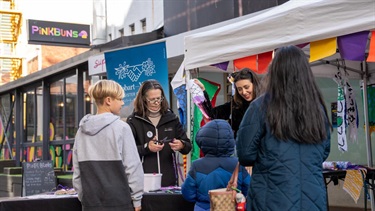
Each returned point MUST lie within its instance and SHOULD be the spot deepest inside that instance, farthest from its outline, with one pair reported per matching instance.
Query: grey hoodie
(108, 173)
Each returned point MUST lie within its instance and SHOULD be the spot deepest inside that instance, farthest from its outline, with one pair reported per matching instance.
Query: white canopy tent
(295, 22)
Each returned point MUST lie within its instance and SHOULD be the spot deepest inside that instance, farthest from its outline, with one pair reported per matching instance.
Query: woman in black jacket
(158, 132)
(247, 88)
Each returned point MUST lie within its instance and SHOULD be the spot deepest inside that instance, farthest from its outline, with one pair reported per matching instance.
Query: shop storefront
(40, 112)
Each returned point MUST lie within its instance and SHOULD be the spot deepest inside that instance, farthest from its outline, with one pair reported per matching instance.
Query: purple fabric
(302, 45)
(223, 65)
(353, 46)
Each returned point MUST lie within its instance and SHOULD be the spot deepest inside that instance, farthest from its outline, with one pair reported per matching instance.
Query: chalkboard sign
(37, 177)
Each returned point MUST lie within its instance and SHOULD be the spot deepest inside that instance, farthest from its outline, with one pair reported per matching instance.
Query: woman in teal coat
(285, 136)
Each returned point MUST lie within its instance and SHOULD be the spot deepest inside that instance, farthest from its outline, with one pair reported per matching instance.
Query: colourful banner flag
(370, 105)
(353, 46)
(264, 60)
(302, 45)
(371, 50)
(249, 62)
(212, 90)
(131, 66)
(322, 48)
(223, 65)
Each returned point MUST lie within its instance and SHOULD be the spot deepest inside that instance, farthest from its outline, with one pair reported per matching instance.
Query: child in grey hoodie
(108, 173)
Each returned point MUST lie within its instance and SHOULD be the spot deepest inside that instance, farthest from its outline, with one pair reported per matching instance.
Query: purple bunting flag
(223, 65)
(353, 46)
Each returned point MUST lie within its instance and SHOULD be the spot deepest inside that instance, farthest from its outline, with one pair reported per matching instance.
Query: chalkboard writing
(37, 177)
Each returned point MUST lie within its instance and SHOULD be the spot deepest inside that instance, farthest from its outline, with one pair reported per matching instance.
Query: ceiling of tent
(292, 23)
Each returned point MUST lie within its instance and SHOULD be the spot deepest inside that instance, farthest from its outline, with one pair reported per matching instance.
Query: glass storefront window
(33, 123)
(70, 107)
(88, 102)
(63, 120)
(6, 128)
(56, 109)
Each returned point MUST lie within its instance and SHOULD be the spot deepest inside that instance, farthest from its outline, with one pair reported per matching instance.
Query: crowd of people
(278, 125)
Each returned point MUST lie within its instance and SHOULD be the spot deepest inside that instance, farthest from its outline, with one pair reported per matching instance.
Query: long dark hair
(295, 106)
(245, 74)
(140, 102)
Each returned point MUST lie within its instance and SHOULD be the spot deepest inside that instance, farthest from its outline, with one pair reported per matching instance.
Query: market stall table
(150, 202)
(336, 175)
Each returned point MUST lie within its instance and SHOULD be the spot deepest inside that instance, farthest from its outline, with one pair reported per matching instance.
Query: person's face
(154, 99)
(116, 105)
(245, 89)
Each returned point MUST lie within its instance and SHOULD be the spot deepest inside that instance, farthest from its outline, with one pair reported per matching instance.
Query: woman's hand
(137, 208)
(155, 146)
(199, 84)
(176, 145)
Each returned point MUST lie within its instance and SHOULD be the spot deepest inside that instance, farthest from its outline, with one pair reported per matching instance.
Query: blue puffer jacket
(215, 169)
(286, 175)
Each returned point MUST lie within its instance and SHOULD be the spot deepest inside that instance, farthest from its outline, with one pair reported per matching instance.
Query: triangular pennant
(371, 51)
(249, 62)
(353, 46)
(302, 45)
(223, 65)
(264, 60)
(322, 48)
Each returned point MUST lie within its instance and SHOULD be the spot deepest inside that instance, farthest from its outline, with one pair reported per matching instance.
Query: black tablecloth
(150, 202)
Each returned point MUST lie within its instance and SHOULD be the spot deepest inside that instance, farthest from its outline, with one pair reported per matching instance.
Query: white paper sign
(97, 65)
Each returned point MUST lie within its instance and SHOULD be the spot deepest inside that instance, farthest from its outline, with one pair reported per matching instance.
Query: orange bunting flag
(249, 62)
(264, 60)
(322, 48)
(371, 51)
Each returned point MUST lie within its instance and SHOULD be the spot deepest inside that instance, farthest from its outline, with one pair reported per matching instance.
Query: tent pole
(365, 109)
(367, 127)
(188, 116)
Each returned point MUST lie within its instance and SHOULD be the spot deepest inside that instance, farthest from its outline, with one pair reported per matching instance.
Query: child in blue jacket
(215, 169)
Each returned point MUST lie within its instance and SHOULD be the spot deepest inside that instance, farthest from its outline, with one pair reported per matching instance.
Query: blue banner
(131, 66)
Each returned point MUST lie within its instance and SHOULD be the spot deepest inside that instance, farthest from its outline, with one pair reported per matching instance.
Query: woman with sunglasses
(247, 86)
(158, 132)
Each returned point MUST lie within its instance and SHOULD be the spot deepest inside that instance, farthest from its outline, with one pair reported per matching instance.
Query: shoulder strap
(232, 184)
(233, 180)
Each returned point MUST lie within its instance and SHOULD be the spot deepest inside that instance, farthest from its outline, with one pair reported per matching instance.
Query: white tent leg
(367, 127)
(188, 117)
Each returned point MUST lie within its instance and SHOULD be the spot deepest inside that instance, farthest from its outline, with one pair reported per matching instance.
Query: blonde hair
(105, 88)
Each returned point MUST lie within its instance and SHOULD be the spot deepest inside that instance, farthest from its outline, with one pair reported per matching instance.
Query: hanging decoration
(222, 65)
(264, 60)
(353, 46)
(212, 90)
(341, 107)
(371, 51)
(249, 62)
(322, 48)
(371, 105)
(351, 109)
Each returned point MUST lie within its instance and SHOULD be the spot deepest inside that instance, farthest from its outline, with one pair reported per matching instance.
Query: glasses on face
(155, 100)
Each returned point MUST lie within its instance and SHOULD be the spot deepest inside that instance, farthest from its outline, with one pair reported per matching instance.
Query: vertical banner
(131, 66)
